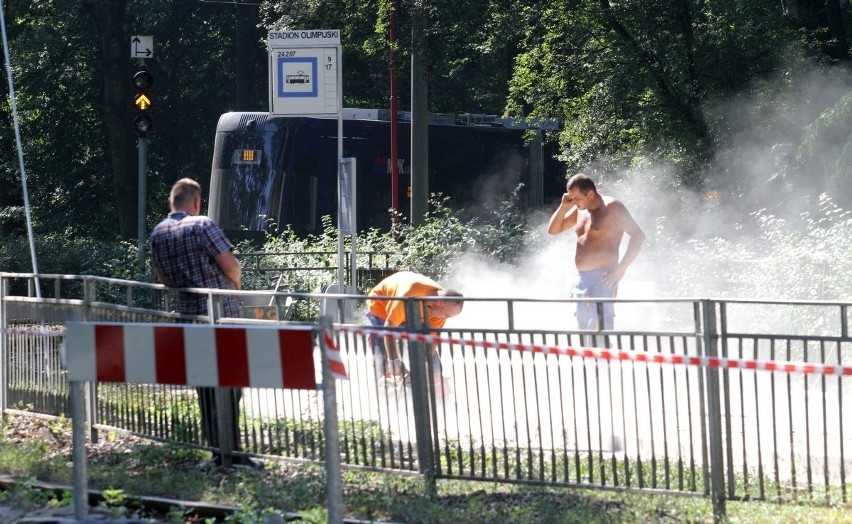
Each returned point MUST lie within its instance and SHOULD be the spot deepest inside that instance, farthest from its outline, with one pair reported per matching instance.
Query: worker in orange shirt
(391, 313)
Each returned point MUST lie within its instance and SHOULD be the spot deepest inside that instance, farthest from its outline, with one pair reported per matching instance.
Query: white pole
(340, 247)
(20, 151)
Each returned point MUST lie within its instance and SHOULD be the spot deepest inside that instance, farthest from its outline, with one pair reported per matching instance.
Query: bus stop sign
(304, 72)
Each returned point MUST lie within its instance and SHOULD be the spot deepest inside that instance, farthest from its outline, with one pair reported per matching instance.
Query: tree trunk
(246, 54)
(834, 16)
(115, 59)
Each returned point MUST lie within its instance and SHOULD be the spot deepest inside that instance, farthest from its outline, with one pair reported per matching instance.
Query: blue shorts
(589, 284)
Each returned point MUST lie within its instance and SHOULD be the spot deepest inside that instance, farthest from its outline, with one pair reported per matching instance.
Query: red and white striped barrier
(616, 354)
(192, 354)
(335, 361)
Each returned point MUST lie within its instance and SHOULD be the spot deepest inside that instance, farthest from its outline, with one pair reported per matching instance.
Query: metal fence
(512, 406)
(309, 271)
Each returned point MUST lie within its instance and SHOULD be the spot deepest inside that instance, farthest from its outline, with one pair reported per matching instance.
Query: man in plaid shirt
(190, 250)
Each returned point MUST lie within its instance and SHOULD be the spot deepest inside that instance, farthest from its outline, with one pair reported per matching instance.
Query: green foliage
(469, 55)
(65, 254)
(249, 514)
(364, 42)
(804, 259)
(63, 98)
(315, 256)
(689, 85)
(147, 406)
(314, 515)
(635, 83)
(827, 146)
(23, 494)
(279, 493)
(429, 248)
(114, 497)
(432, 247)
(67, 177)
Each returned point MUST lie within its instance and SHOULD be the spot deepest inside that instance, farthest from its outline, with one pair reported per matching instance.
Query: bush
(806, 260)
(59, 254)
(429, 248)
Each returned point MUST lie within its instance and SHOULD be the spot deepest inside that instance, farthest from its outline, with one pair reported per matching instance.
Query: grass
(153, 469)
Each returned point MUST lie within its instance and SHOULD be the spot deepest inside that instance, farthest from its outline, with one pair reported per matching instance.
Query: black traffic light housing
(142, 102)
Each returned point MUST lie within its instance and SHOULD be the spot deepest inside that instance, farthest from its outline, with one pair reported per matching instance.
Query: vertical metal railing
(422, 391)
(89, 391)
(714, 411)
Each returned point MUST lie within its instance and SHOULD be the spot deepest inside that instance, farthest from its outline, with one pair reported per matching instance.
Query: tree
(109, 20)
(53, 59)
(634, 81)
(470, 48)
(72, 71)
(826, 148)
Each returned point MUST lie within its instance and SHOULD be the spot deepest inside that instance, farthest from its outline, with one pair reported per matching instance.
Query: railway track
(135, 509)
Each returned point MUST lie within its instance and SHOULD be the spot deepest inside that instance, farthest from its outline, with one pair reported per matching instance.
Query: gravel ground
(17, 508)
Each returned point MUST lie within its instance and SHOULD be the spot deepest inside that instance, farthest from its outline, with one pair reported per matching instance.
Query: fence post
(417, 321)
(714, 412)
(334, 484)
(79, 423)
(227, 407)
(89, 392)
(4, 347)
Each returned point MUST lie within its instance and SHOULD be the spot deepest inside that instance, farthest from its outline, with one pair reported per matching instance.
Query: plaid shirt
(183, 247)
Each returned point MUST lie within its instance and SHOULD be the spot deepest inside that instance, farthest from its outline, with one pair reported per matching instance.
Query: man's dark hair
(581, 182)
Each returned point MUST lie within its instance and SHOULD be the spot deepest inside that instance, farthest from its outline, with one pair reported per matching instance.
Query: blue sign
(297, 76)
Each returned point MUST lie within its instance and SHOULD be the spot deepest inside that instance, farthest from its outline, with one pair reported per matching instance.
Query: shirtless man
(600, 223)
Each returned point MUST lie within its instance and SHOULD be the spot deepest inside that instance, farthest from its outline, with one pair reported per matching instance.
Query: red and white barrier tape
(45, 332)
(339, 371)
(335, 362)
(617, 354)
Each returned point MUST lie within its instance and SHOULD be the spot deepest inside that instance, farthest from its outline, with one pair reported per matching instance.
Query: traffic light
(143, 125)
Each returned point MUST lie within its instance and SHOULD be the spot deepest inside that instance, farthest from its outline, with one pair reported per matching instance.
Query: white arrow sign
(141, 46)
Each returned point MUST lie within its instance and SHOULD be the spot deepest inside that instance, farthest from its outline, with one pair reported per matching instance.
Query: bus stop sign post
(346, 220)
(305, 79)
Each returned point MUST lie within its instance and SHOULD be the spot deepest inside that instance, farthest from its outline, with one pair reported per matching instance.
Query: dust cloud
(766, 222)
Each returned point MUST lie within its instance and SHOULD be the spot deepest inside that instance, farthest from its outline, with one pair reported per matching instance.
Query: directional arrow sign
(142, 102)
(141, 46)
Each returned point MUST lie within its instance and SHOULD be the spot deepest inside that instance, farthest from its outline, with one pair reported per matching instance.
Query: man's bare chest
(599, 224)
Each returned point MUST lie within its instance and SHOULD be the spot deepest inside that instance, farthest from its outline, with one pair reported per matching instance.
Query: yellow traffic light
(142, 102)
(143, 124)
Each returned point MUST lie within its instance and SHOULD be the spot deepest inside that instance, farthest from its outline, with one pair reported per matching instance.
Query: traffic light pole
(141, 47)
(140, 223)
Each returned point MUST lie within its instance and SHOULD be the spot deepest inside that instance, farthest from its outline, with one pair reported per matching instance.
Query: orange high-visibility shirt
(402, 284)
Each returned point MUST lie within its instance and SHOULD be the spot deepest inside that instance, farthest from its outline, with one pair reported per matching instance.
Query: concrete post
(334, 483)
